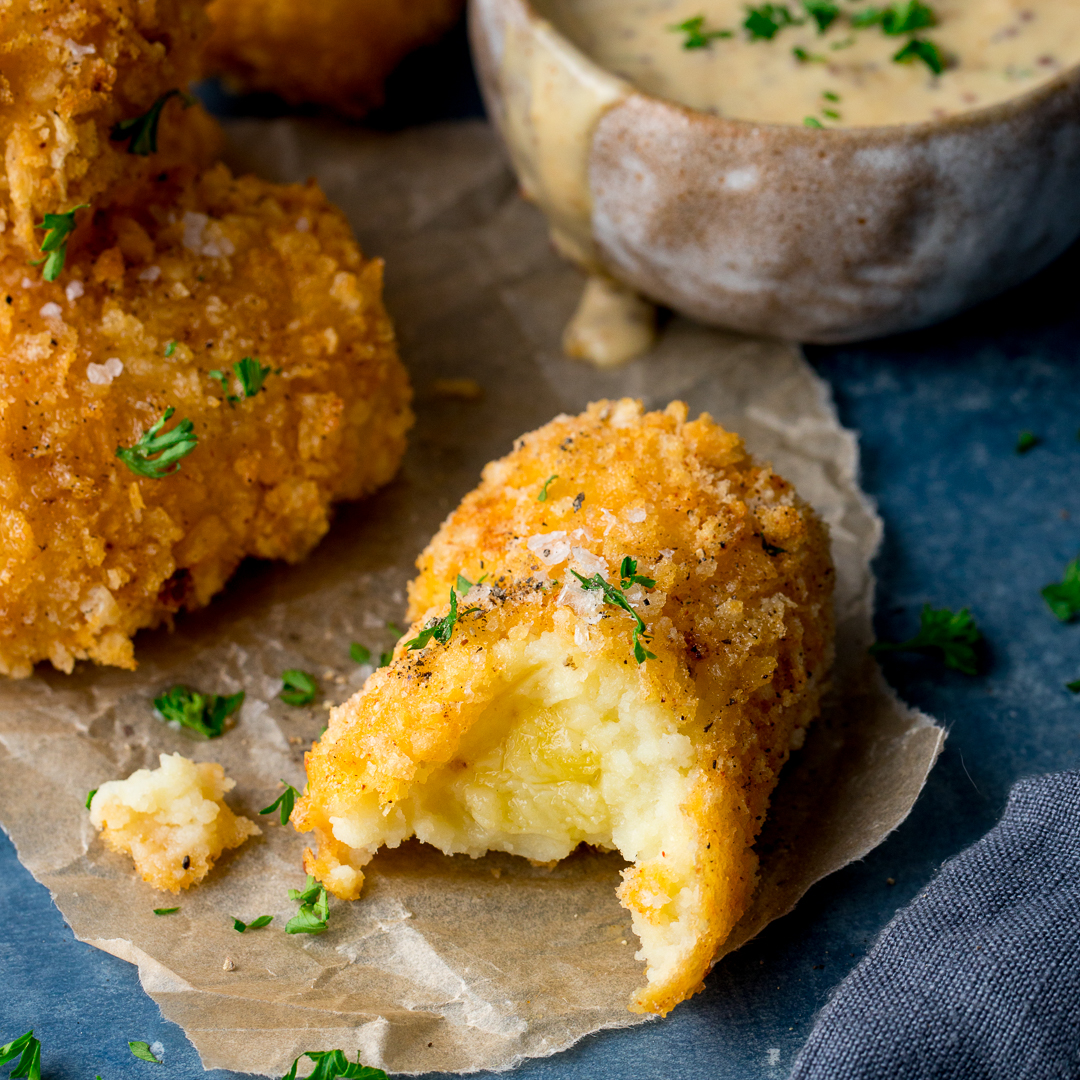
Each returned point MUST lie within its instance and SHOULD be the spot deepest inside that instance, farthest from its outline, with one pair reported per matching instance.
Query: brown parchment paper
(445, 963)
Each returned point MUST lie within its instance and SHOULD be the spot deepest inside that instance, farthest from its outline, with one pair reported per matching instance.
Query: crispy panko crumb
(172, 820)
(535, 729)
(208, 270)
(336, 52)
(70, 70)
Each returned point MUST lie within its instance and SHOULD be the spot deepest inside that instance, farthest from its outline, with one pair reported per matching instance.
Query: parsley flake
(1025, 441)
(386, 657)
(142, 1051)
(441, 629)
(617, 598)
(203, 714)
(314, 909)
(359, 654)
(1063, 597)
(28, 1050)
(166, 910)
(823, 12)
(764, 21)
(463, 584)
(542, 497)
(1074, 686)
(300, 688)
(926, 51)
(251, 375)
(628, 575)
(334, 1065)
(170, 348)
(812, 122)
(90, 797)
(140, 132)
(59, 228)
(256, 924)
(696, 36)
(170, 448)
(906, 18)
(284, 802)
(953, 635)
(805, 57)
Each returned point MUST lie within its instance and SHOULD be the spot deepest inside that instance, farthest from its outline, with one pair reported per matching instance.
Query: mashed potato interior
(567, 753)
(172, 821)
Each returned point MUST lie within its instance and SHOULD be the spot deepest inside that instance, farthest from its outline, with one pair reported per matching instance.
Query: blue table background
(968, 522)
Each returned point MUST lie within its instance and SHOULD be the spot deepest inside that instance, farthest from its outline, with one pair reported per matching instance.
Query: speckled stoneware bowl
(789, 231)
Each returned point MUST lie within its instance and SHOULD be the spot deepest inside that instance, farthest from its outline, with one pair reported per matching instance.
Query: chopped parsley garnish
(90, 797)
(359, 654)
(764, 21)
(386, 657)
(464, 584)
(830, 95)
(142, 1051)
(170, 448)
(542, 497)
(442, 629)
(54, 247)
(142, 130)
(251, 375)
(804, 57)
(300, 688)
(314, 909)
(952, 635)
(1063, 597)
(1074, 686)
(926, 51)
(170, 348)
(823, 12)
(1025, 441)
(204, 714)
(616, 598)
(832, 114)
(256, 924)
(334, 1065)
(166, 910)
(906, 18)
(28, 1050)
(696, 36)
(771, 549)
(628, 575)
(284, 803)
(812, 121)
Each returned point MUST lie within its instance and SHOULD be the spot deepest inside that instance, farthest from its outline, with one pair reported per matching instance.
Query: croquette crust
(336, 53)
(90, 552)
(70, 70)
(741, 628)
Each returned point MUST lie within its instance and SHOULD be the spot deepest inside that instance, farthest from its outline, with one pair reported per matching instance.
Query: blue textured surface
(968, 522)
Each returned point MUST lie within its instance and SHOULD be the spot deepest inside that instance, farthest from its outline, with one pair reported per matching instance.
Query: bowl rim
(982, 116)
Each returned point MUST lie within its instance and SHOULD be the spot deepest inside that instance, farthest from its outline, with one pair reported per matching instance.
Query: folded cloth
(979, 977)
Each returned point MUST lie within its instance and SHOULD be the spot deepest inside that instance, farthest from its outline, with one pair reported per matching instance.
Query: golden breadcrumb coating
(535, 728)
(223, 268)
(336, 53)
(172, 820)
(70, 70)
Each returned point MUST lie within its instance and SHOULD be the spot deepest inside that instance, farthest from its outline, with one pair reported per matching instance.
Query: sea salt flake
(151, 273)
(550, 548)
(51, 310)
(73, 291)
(103, 374)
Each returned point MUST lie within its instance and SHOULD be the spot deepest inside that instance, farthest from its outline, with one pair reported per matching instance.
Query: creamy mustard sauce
(844, 77)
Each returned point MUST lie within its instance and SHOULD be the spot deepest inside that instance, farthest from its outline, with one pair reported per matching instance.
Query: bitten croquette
(153, 311)
(641, 632)
(70, 71)
(336, 52)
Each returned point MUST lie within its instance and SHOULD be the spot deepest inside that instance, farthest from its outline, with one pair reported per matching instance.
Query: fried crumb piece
(172, 820)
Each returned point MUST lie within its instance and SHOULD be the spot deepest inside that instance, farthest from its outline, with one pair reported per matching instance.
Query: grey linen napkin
(979, 977)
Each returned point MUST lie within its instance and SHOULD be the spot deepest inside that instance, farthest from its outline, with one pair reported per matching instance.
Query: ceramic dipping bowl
(814, 235)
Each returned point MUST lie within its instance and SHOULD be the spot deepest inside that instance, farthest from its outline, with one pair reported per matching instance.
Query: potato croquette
(336, 53)
(70, 71)
(644, 634)
(248, 309)
(172, 820)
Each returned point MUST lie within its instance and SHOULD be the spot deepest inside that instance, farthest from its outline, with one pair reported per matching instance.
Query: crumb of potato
(193, 276)
(172, 820)
(336, 52)
(534, 728)
(70, 70)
